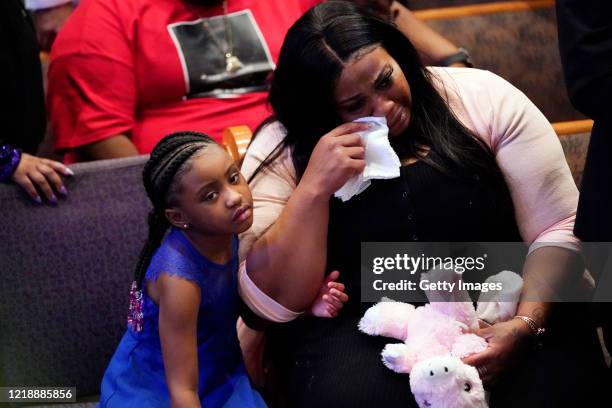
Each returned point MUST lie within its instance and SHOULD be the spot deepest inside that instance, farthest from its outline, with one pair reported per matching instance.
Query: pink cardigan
(525, 145)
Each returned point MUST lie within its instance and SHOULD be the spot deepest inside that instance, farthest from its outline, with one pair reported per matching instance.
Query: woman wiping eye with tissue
(381, 162)
(478, 163)
(374, 86)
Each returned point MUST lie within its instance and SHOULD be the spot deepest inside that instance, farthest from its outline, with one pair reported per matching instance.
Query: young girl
(181, 348)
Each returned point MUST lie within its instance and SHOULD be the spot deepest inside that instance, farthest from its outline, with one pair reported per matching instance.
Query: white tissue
(381, 162)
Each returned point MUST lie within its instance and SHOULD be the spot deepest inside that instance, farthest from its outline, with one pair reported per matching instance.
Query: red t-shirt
(146, 68)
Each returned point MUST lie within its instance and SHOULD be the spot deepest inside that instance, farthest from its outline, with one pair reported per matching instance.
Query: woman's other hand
(338, 156)
(36, 174)
(331, 297)
(507, 341)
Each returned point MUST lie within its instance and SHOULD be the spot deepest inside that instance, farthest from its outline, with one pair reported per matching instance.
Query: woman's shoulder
(475, 89)
(267, 138)
(265, 143)
(468, 79)
(484, 102)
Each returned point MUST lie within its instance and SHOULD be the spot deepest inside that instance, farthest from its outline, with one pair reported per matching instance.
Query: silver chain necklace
(232, 62)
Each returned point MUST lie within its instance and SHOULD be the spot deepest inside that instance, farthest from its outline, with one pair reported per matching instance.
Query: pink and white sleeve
(531, 158)
(271, 189)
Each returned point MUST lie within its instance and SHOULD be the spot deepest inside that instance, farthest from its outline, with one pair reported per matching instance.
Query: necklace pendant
(232, 63)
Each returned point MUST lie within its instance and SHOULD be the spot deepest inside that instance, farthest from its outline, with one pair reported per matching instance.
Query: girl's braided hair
(169, 161)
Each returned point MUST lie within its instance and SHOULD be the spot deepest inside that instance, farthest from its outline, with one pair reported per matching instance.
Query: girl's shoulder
(176, 256)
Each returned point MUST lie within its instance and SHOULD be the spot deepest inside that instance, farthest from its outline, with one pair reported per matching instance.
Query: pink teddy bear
(435, 337)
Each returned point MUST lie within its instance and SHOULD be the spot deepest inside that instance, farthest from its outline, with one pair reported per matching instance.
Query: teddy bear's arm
(399, 357)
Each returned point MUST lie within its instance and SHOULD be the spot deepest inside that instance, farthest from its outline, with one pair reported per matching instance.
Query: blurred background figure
(585, 42)
(49, 16)
(23, 116)
(123, 74)
(433, 48)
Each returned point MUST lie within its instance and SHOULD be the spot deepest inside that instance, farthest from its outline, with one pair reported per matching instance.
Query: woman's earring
(185, 226)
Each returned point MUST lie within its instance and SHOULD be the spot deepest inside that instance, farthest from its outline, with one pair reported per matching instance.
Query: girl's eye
(211, 196)
(235, 178)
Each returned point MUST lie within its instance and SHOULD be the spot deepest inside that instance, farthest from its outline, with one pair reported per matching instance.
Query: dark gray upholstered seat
(71, 405)
(520, 46)
(65, 273)
(575, 147)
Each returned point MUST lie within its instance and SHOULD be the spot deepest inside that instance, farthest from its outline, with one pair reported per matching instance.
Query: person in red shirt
(125, 73)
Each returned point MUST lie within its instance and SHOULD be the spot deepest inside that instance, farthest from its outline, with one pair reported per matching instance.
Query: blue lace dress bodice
(135, 376)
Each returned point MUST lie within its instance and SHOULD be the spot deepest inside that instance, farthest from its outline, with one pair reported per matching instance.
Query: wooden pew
(236, 139)
(574, 137)
(433, 4)
(516, 40)
(444, 9)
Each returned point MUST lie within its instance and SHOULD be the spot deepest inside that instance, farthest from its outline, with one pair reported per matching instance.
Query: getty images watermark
(412, 272)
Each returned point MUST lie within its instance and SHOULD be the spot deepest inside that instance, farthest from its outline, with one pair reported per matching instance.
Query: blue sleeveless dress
(135, 376)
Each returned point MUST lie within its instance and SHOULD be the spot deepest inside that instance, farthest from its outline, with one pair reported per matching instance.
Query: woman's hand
(331, 297)
(338, 156)
(507, 341)
(35, 173)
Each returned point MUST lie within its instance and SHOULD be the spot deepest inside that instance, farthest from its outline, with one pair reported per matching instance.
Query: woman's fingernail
(38, 199)
(62, 190)
(68, 172)
(53, 199)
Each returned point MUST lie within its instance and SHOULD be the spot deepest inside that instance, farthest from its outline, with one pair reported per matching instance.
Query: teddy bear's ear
(500, 305)
(450, 277)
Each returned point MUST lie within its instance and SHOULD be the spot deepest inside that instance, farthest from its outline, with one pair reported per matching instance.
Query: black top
(22, 117)
(585, 42)
(328, 362)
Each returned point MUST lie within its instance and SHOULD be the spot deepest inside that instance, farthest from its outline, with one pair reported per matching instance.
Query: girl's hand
(338, 156)
(35, 174)
(507, 341)
(331, 298)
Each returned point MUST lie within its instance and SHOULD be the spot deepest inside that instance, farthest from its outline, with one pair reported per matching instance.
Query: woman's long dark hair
(311, 61)
(169, 161)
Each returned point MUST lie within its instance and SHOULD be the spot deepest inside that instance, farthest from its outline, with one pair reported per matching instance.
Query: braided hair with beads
(162, 173)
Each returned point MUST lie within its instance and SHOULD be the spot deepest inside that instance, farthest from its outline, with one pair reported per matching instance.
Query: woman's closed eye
(354, 106)
(385, 80)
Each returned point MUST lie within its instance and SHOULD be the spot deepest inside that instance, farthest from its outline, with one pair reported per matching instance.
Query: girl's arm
(178, 315)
